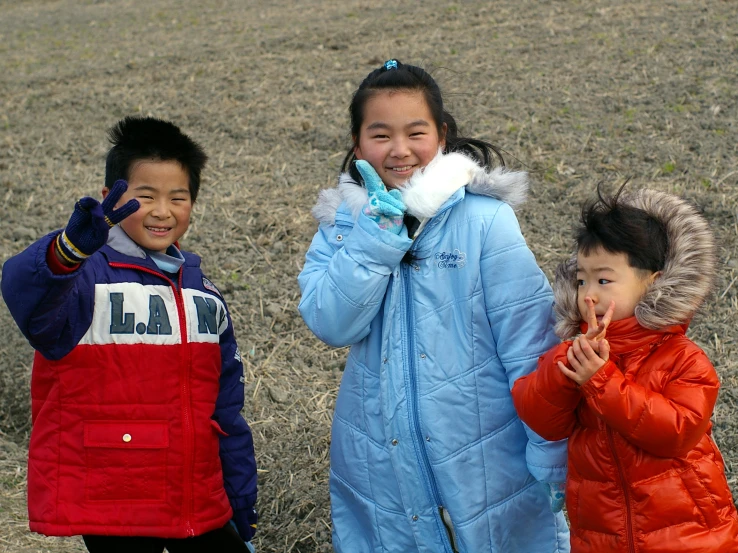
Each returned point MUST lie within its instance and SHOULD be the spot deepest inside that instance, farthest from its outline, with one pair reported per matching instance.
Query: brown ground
(575, 91)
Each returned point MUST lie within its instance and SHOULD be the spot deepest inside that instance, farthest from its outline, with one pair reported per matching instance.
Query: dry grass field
(575, 91)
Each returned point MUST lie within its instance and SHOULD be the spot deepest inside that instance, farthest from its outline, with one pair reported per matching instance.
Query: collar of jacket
(688, 276)
(427, 192)
(120, 249)
(628, 335)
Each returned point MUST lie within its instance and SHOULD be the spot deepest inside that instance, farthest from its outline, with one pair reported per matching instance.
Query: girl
(434, 288)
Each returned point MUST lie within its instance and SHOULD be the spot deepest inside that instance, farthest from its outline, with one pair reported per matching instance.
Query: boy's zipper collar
(120, 249)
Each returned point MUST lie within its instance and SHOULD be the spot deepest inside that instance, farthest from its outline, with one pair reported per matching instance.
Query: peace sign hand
(385, 208)
(590, 351)
(88, 227)
(596, 330)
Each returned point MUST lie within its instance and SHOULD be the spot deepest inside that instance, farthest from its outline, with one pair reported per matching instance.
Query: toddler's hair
(147, 138)
(610, 223)
(395, 75)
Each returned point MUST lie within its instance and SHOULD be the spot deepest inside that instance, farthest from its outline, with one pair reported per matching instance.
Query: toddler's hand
(596, 330)
(385, 208)
(88, 227)
(584, 360)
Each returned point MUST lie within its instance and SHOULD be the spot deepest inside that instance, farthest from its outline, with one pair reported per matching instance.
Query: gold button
(126, 438)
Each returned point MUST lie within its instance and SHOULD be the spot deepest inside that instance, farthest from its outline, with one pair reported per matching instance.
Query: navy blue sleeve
(237, 448)
(52, 311)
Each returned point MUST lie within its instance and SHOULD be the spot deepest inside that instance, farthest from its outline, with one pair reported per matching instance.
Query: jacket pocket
(215, 478)
(707, 485)
(216, 427)
(126, 460)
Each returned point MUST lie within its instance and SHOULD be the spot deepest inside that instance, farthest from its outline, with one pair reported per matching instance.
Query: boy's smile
(604, 276)
(162, 189)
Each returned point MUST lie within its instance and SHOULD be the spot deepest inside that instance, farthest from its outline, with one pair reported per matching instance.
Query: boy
(633, 394)
(137, 385)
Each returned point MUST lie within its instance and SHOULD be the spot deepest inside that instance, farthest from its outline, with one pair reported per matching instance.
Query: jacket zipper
(416, 432)
(624, 483)
(189, 499)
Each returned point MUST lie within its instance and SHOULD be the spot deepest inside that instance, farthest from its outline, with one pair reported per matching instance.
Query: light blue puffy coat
(424, 424)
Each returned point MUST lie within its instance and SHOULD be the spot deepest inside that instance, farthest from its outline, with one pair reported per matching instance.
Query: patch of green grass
(668, 168)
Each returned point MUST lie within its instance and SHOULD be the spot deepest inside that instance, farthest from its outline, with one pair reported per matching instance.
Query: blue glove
(556, 493)
(385, 208)
(249, 545)
(87, 229)
(245, 522)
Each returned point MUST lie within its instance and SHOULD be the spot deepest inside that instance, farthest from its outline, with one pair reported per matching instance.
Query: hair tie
(390, 64)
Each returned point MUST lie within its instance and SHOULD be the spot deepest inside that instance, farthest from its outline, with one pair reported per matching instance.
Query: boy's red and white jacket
(137, 388)
(645, 474)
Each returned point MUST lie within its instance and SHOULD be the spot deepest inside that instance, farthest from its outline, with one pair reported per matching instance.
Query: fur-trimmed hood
(429, 188)
(686, 280)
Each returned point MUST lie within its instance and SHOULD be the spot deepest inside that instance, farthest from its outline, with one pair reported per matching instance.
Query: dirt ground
(575, 91)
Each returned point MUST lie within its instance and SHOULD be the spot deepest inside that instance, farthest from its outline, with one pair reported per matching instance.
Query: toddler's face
(603, 277)
(163, 190)
(398, 135)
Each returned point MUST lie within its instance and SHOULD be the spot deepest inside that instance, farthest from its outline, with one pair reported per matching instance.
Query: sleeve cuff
(595, 386)
(56, 266)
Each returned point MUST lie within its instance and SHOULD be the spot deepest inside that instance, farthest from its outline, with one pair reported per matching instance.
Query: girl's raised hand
(385, 208)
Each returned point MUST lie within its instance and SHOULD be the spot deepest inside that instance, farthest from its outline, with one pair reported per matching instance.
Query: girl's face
(398, 135)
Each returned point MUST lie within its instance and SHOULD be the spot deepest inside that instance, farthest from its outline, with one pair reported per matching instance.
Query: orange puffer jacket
(644, 472)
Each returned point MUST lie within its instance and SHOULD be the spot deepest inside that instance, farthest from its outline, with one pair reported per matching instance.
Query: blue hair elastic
(390, 64)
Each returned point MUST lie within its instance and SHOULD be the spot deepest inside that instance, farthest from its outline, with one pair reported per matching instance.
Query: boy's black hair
(611, 224)
(140, 138)
(395, 75)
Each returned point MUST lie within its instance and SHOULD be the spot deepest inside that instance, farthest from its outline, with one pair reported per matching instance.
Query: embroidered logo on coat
(451, 260)
(210, 286)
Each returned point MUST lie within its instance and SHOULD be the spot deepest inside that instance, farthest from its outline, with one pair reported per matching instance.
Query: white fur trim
(429, 188)
(509, 186)
(355, 196)
(325, 208)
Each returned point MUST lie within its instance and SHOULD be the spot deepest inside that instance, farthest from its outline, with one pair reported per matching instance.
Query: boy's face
(603, 277)
(162, 188)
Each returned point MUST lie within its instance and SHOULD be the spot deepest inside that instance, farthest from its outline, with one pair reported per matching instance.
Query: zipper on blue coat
(416, 432)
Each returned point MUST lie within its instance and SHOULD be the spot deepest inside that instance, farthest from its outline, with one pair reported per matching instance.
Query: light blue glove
(385, 208)
(556, 492)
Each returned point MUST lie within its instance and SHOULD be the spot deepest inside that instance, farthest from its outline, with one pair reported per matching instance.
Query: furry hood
(429, 188)
(686, 280)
